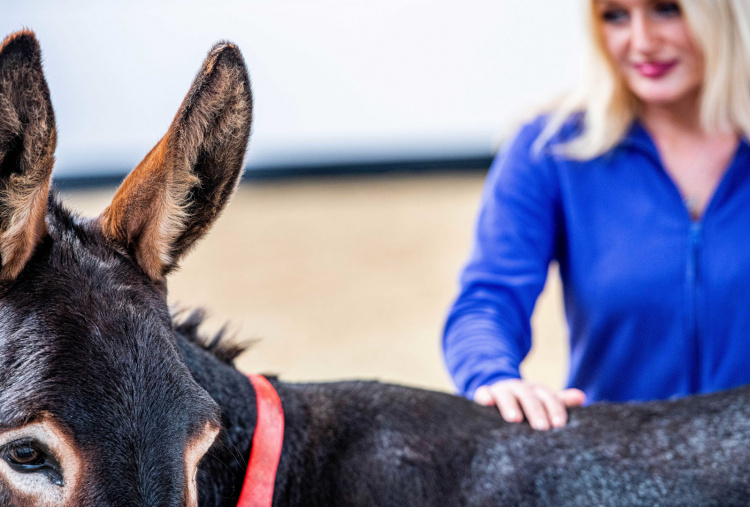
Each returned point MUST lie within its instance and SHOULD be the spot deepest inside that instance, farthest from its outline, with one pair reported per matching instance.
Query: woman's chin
(665, 96)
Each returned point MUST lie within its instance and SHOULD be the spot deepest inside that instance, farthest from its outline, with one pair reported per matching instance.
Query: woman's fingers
(556, 412)
(572, 397)
(507, 403)
(532, 406)
(500, 395)
(542, 407)
(483, 396)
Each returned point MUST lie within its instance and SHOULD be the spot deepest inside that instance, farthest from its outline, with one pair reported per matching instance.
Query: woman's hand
(543, 407)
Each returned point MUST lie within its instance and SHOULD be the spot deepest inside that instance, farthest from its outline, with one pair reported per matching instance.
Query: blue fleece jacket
(658, 304)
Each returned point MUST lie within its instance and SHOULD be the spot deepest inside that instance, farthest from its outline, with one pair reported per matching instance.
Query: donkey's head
(96, 405)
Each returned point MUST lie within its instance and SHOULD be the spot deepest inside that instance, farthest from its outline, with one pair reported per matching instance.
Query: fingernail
(558, 422)
(513, 415)
(541, 425)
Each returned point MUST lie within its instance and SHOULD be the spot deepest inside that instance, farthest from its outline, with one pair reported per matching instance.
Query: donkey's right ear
(174, 195)
(27, 146)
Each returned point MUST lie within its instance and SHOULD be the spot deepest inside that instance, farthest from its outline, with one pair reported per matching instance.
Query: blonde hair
(721, 30)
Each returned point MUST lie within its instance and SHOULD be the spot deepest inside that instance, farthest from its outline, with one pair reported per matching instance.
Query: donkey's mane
(223, 345)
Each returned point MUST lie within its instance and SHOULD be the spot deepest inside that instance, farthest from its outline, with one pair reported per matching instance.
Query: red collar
(257, 490)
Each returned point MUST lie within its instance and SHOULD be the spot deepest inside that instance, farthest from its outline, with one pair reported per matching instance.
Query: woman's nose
(643, 33)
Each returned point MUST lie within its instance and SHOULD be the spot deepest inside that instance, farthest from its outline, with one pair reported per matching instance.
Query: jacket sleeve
(488, 331)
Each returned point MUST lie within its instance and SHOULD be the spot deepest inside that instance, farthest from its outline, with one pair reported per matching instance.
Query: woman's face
(650, 45)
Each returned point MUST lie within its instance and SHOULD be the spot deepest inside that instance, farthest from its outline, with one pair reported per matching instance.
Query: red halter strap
(257, 490)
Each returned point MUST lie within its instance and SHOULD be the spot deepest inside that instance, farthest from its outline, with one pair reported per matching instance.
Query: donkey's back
(373, 444)
(366, 443)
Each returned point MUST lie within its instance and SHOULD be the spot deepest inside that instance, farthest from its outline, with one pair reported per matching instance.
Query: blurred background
(375, 123)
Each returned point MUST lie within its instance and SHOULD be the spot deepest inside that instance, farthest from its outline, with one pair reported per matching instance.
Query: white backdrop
(335, 81)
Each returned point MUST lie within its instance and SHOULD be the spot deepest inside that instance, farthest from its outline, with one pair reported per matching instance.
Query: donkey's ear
(172, 197)
(27, 147)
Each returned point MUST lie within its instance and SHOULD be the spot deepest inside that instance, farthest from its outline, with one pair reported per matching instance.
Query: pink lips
(654, 70)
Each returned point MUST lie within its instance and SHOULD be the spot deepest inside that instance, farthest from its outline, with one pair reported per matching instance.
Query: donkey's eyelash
(28, 456)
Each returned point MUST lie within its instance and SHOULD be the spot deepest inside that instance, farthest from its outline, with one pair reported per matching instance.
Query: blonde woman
(639, 186)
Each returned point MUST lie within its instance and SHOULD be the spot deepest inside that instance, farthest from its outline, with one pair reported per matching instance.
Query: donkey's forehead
(83, 323)
(77, 283)
(75, 261)
(78, 243)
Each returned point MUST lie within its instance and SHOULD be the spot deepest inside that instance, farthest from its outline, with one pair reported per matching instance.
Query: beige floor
(345, 277)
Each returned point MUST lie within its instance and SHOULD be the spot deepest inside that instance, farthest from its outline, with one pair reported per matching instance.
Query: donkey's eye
(25, 455)
(28, 456)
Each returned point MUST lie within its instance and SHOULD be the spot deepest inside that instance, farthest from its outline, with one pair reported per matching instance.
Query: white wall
(334, 80)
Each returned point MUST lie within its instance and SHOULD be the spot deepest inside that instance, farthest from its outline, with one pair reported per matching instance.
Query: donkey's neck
(222, 470)
(320, 421)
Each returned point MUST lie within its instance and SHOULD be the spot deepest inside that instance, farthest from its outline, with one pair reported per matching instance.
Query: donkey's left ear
(173, 196)
(27, 148)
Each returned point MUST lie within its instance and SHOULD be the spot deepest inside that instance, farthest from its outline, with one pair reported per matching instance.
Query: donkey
(106, 399)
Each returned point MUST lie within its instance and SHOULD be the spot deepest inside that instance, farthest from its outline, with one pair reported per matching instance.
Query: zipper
(693, 287)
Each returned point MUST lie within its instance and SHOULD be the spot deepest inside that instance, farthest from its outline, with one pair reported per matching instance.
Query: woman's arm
(519, 231)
